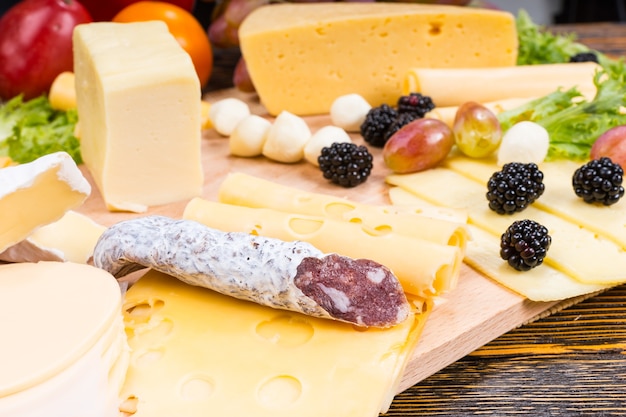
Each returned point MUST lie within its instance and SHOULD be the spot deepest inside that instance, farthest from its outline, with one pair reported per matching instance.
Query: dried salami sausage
(293, 276)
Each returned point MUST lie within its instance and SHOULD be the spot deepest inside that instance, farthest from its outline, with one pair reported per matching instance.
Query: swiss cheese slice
(63, 350)
(38, 193)
(423, 267)
(196, 353)
(138, 99)
(302, 56)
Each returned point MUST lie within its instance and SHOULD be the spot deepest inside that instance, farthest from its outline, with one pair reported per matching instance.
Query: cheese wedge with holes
(303, 56)
(64, 351)
(243, 359)
(38, 193)
(138, 99)
(424, 267)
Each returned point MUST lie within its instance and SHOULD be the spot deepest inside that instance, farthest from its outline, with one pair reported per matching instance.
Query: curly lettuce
(31, 129)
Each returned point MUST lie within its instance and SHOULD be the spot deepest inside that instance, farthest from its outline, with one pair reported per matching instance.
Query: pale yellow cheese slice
(139, 103)
(577, 251)
(302, 56)
(197, 353)
(64, 349)
(559, 197)
(38, 193)
(539, 284)
(423, 267)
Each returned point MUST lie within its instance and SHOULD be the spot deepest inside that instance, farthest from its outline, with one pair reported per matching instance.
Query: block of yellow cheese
(38, 193)
(302, 56)
(64, 351)
(197, 353)
(138, 100)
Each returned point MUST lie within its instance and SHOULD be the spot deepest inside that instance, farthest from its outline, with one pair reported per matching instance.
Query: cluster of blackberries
(383, 121)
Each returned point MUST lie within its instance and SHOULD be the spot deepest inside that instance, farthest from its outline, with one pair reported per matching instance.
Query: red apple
(104, 10)
(417, 146)
(612, 144)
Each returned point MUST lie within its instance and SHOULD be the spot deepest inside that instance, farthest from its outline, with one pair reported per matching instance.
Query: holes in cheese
(230, 357)
(455, 86)
(423, 267)
(301, 57)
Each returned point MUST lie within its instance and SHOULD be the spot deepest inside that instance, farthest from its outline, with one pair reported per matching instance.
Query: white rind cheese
(38, 193)
(138, 99)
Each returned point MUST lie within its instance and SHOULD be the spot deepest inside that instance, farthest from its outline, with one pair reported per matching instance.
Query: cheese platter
(476, 312)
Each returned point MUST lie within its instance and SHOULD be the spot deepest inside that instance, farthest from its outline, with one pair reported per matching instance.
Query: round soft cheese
(63, 349)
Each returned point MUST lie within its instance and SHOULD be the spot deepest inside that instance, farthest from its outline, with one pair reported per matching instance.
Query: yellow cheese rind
(423, 267)
(301, 57)
(196, 353)
(455, 86)
(139, 102)
(38, 193)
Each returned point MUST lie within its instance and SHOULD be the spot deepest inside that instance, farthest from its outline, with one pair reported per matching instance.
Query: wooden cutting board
(476, 312)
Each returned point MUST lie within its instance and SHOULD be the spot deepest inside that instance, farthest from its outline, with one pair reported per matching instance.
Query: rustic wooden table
(571, 363)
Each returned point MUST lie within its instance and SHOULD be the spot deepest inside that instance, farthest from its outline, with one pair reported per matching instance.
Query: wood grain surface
(570, 363)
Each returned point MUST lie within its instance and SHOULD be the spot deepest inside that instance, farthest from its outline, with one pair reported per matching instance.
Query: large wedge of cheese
(138, 99)
(64, 351)
(38, 193)
(302, 56)
(198, 353)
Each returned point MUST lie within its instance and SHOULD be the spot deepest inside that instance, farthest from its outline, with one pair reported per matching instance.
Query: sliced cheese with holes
(423, 267)
(71, 238)
(437, 223)
(575, 250)
(539, 284)
(196, 353)
(64, 350)
(38, 193)
(139, 102)
(301, 57)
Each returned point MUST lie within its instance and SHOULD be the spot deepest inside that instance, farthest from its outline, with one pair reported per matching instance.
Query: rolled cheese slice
(423, 267)
(64, 350)
(301, 57)
(38, 193)
(455, 86)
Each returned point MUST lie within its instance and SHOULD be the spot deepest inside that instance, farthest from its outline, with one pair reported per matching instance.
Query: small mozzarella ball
(324, 137)
(225, 114)
(286, 138)
(524, 142)
(348, 112)
(249, 136)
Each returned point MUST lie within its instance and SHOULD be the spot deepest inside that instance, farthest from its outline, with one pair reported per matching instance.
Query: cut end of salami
(358, 291)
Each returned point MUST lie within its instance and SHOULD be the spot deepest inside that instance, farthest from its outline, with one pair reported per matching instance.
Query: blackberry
(376, 123)
(524, 244)
(402, 120)
(416, 104)
(599, 181)
(514, 187)
(345, 163)
(584, 57)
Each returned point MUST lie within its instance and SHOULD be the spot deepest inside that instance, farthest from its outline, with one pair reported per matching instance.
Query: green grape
(477, 131)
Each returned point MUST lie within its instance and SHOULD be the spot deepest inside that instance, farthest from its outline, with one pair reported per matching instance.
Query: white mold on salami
(293, 276)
